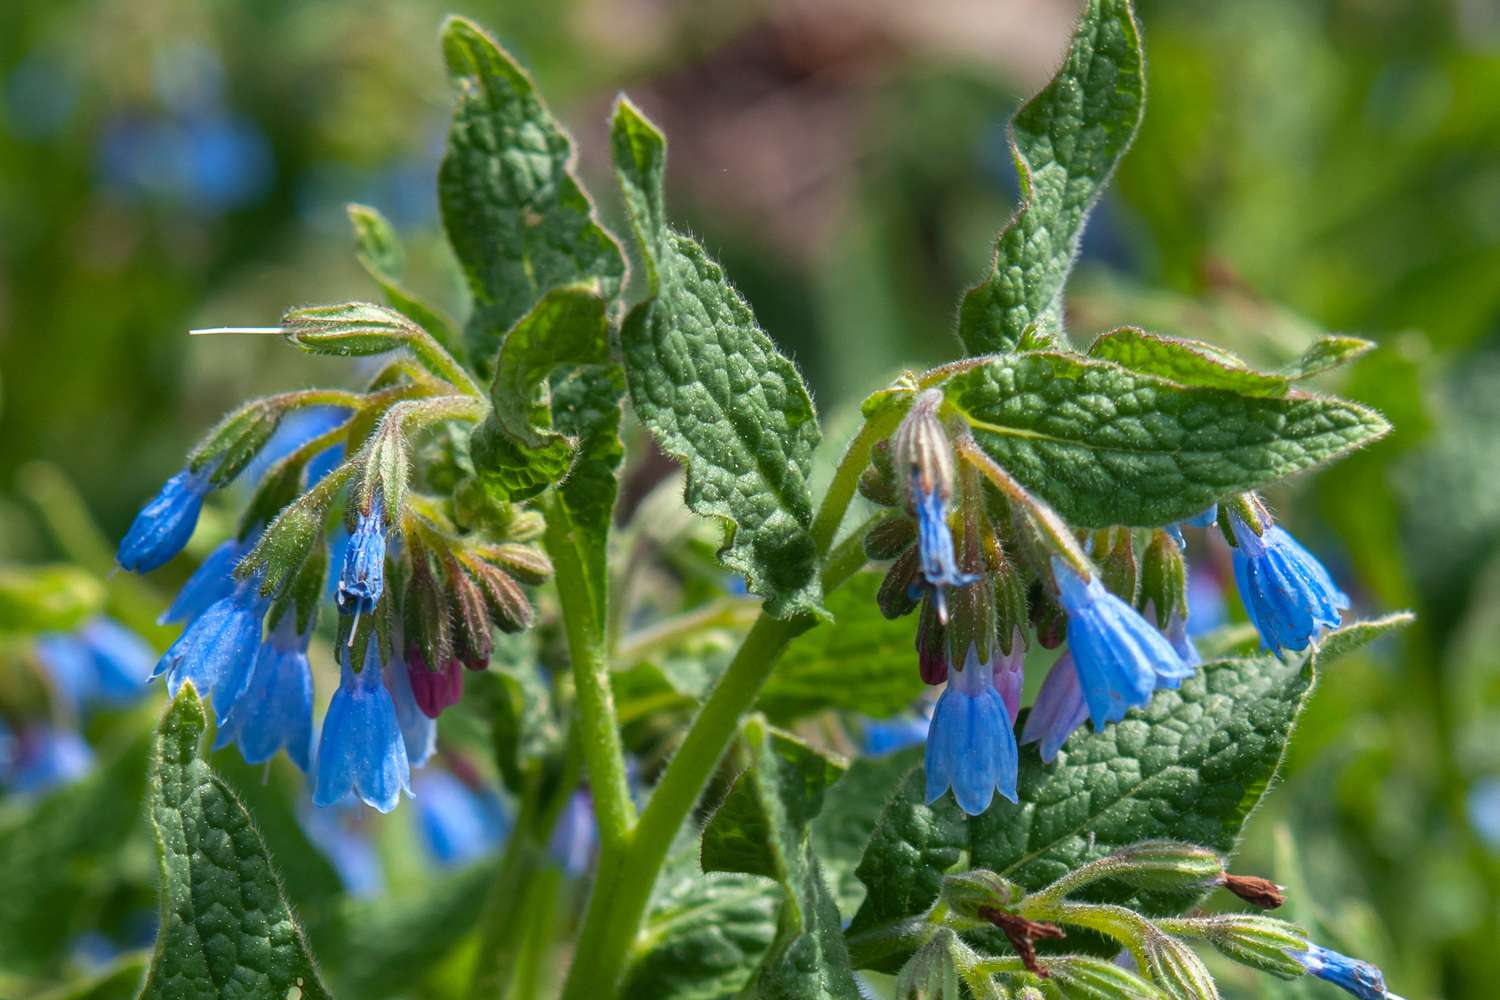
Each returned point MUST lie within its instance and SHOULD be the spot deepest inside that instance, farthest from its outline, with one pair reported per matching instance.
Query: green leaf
(716, 393)
(704, 934)
(47, 598)
(1190, 766)
(515, 450)
(586, 406)
(226, 929)
(380, 253)
(519, 222)
(518, 705)
(1065, 141)
(863, 664)
(62, 856)
(1359, 634)
(851, 811)
(120, 980)
(1325, 354)
(1188, 362)
(1104, 445)
(762, 828)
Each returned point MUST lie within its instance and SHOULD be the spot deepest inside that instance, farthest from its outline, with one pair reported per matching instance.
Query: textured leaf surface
(226, 929)
(716, 393)
(1190, 766)
(704, 934)
(381, 254)
(863, 663)
(1105, 445)
(516, 452)
(851, 810)
(517, 218)
(1190, 362)
(586, 406)
(1066, 141)
(762, 828)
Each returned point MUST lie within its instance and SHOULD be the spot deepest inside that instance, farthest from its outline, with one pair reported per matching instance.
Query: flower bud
(920, 451)
(1166, 866)
(932, 645)
(889, 538)
(1049, 619)
(526, 564)
(1255, 940)
(473, 643)
(427, 620)
(1256, 891)
(930, 973)
(1163, 579)
(899, 591)
(1011, 609)
(1175, 968)
(879, 483)
(1080, 977)
(508, 605)
(234, 442)
(353, 329)
(969, 892)
(284, 545)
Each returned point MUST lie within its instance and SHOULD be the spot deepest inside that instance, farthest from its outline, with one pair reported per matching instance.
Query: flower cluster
(987, 566)
(418, 587)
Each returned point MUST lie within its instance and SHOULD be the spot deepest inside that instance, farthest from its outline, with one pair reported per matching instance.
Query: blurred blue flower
(218, 649)
(362, 753)
(576, 836)
(1484, 810)
(102, 662)
(1288, 594)
(165, 524)
(44, 757)
(339, 833)
(457, 823)
(296, 429)
(1207, 609)
(1120, 659)
(276, 710)
(971, 745)
(886, 736)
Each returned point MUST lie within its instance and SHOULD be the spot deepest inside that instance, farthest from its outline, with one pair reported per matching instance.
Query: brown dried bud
(1256, 891)
(1023, 935)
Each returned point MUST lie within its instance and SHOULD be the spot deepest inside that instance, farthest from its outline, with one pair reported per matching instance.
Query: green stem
(497, 924)
(432, 356)
(623, 885)
(598, 731)
(729, 612)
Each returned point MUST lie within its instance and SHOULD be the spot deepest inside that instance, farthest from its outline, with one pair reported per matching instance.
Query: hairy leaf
(1104, 445)
(1190, 766)
(515, 451)
(704, 934)
(517, 218)
(1189, 362)
(1065, 141)
(863, 664)
(1325, 354)
(851, 810)
(380, 253)
(762, 828)
(716, 393)
(226, 929)
(586, 405)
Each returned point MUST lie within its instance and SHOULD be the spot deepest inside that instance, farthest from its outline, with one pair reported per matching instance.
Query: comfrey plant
(1025, 496)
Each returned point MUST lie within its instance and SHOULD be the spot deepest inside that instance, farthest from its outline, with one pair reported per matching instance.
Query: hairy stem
(623, 885)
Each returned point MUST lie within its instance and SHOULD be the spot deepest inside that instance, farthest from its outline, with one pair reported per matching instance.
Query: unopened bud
(930, 973)
(1254, 890)
(890, 537)
(1011, 614)
(353, 329)
(284, 545)
(1048, 617)
(969, 892)
(527, 564)
(236, 440)
(878, 483)
(472, 641)
(509, 607)
(427, 621)
(1080, 977)
(1163, 578)
(1114, 552)
(920, 450)
(1261, 942)
(1166, 866)
(1177, 969)
(899, 591)
(932, 645)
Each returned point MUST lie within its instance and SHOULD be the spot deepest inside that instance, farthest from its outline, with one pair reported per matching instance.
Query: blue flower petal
(165, 524)
(1058, 710)
(362, 577)
(361, 753)
(276, 710)
(1361, 979)
(212, 581)
(218, 649)
(971, 746)
(1287, 593)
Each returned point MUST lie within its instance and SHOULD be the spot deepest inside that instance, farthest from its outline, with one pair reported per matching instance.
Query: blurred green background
(1305, 165)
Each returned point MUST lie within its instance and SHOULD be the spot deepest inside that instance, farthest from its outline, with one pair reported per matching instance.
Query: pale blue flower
(971, 746)
(1288, 594)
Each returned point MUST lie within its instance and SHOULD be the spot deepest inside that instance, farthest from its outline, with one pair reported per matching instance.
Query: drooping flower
(458, 823)
(122, 660)
(1119, 657)
(1058, 710)
(1288, 594)
(924, 456)
(218, 649)
(361, 753)
(276, 710)
(362, 578)
(1359, 978)
(211, 581)
(418, 730)
(971, 746)
(165, 524)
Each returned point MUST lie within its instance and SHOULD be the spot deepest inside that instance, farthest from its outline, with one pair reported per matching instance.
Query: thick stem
(623, 885)
(598, 731)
